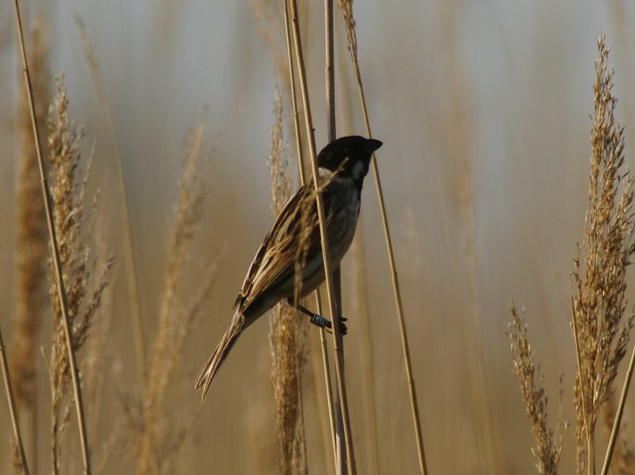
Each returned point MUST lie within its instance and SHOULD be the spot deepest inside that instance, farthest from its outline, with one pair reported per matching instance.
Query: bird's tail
(209, 371)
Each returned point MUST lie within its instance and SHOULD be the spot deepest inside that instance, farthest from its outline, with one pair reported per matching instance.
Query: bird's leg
(318, 320)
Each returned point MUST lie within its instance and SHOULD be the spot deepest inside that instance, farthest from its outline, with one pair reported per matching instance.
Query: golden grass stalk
(31, 251)
(346, 7)
(622, 461)
(294, 102)
(291, 91)
(268, 14)
(337, 337)
(20, 462)
(301, 168)
(74, 230)
(330, 71)
(360, 302)
(61, 290)
(601, 328)
(332, 135)
(156, 442)
(279, 165)
(131, 271)
(549, 442)
(287, 339)
(625, 455)
(99, 360)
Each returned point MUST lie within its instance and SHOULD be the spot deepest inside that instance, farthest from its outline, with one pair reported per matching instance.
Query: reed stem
(337, 338)
(12, 407)
(55, 251)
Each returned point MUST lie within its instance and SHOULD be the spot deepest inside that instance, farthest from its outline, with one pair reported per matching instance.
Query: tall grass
(288, 331)
(31, 302)
(346, 7)
(600, 321)
(157, 436)
(74, 230)
(155, 424)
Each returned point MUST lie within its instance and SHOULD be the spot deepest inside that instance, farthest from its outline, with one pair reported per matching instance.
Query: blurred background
(483, 108)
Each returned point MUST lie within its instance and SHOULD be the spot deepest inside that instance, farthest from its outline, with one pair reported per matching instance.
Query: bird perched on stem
(289, 263)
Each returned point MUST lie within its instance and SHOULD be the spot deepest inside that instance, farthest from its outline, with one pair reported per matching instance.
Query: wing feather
(275, 260)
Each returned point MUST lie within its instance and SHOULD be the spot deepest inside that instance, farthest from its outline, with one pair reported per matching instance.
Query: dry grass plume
(32, 244)
(74, 228)
(548, 440)
(156, 436)
(601, 325)
(288, 333)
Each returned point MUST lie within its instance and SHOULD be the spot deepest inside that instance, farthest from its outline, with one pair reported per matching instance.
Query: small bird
(294, 238)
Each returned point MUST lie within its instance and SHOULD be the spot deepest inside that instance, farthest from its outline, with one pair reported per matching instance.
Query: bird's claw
(342, 325)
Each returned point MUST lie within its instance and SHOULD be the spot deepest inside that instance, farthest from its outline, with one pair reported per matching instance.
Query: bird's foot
(342, 325)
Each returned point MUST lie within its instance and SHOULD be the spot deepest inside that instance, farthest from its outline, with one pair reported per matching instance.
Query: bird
(293, 244)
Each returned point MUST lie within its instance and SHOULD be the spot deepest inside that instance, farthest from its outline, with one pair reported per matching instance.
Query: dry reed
(601, 325)
(623, 460)
(18, 456)
(330, 285)
(341, 442)
(287, 336)
(31, 251)
(100, 357)
(549, 441)
(346, 7)
(275, 28)
(279, 164)
(156, 437)
(56, 261)
(601, 328)
(271, 27)
(74, 230)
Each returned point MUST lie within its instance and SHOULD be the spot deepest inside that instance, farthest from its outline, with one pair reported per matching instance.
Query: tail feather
(209, 371)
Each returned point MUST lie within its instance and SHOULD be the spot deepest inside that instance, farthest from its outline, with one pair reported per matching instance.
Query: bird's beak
(372, 145)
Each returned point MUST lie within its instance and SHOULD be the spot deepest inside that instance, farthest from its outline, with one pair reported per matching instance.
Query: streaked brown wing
(275, 260)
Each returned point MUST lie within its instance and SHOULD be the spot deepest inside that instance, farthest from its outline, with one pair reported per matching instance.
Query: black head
(349, 156)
